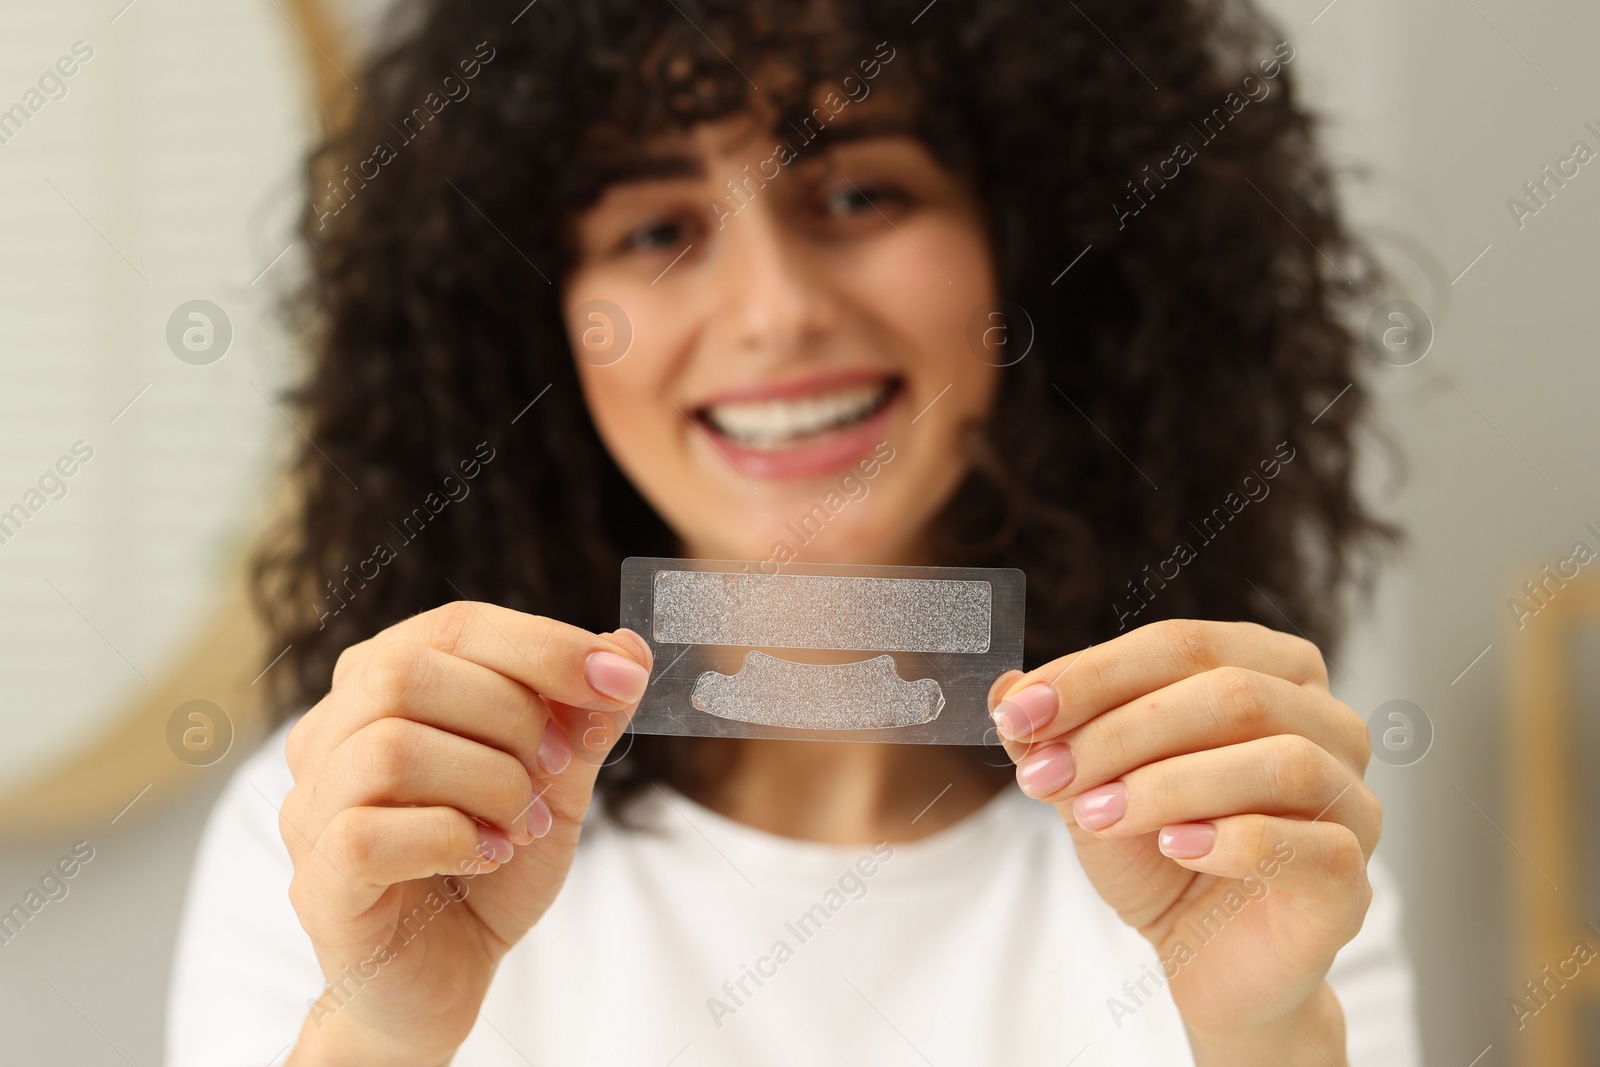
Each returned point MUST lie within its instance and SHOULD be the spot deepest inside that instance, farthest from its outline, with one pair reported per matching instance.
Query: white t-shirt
(704, 941)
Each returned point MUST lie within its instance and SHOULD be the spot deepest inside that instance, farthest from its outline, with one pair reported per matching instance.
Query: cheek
(613, 406)
(624, 394)
(627, 412)
(971, 294)
(925, 287)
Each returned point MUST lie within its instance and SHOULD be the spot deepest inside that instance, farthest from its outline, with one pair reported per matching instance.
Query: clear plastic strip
(823, 652)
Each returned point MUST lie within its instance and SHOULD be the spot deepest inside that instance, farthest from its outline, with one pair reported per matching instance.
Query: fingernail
(1101, 806)
(615, 677)
(1187, 840)
(1046, 771)
(493, 845)
(554, 753)
(539, 818)
(1027, 712)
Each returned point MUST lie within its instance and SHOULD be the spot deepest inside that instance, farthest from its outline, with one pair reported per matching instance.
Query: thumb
(512, 898)
(592, 738)
(1131, 875)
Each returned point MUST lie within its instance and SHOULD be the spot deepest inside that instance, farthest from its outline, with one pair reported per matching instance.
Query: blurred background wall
(165, 170)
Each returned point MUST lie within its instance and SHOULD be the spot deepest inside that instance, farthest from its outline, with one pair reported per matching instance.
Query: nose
(777, 303)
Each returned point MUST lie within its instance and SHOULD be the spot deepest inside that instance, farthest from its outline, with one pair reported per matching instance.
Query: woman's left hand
(1213, 788)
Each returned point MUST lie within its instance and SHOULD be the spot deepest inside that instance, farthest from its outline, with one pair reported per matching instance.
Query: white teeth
(766, 423)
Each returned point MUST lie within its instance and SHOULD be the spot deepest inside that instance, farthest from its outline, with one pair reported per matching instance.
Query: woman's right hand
(439, 790)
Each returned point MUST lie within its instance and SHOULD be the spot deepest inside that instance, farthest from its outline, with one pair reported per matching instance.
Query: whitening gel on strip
(823, 652)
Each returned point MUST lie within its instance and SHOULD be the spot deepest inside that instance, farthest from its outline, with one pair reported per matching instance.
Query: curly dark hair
(1195, 342)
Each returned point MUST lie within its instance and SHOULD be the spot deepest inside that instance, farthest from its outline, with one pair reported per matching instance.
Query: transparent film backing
(822, 652)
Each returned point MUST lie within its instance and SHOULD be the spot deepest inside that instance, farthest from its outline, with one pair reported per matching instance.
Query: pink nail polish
(1187, 840)
(615, 677)
(493, 846)
(1022, 715)
(1046, 771)
(1101, 806)
(539, 818)
(554, 752)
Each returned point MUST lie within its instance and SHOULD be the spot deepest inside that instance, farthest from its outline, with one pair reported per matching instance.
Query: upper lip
(827, 381)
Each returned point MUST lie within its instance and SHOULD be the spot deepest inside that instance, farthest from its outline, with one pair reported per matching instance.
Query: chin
(806, 538)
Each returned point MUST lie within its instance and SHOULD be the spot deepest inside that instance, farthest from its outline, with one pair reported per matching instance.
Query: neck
(841, 793)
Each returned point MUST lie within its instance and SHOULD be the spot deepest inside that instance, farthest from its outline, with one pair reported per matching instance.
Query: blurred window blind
(162, 169)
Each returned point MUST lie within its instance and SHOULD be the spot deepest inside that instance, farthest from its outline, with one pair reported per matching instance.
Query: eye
(658, 236)
(854, 199)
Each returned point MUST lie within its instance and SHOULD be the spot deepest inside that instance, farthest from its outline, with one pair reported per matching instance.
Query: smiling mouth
(790, 422)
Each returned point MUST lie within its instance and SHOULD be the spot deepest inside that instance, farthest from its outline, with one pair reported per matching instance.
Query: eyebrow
(670, 165)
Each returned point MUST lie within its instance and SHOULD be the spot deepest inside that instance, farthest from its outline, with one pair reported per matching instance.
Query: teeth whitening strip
(819, 696)
(823, 652)
(820, 611)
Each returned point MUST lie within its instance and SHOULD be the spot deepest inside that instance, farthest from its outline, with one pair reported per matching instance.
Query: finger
(1068, 692)
(1312, 861)
(640, 647)
(398, 762)
(364, 851)
(1001, 686)
(1222, 707)
(556, 660)
(1283, 775)
(409, 680)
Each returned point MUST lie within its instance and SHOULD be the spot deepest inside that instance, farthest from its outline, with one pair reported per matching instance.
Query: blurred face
(798, 376)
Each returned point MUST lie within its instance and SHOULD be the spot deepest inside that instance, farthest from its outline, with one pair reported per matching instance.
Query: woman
(607, 279)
